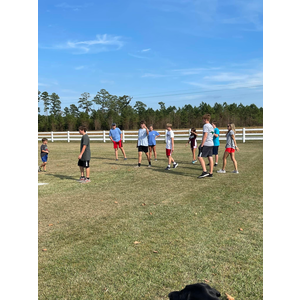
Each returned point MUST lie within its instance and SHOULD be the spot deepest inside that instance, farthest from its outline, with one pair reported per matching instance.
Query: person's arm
(157, 135)
(82, 151)
(234, 140)
(172, 139)
(204, 139)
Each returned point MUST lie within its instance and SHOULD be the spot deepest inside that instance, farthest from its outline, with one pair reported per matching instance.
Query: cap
(113, 124)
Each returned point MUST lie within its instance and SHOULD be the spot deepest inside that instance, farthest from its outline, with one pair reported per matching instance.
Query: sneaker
(208, 164)
(204, 174)
(86, 180)
(215, 165)
(116, 159)
(137, 166)
(194, 161)
(40, 169)
(155, 159)
(149, 166)
(210, 175)
(221, 171)
(81, 179)
(167, 168)
(175, 165)
(125, 158)
(235, 171)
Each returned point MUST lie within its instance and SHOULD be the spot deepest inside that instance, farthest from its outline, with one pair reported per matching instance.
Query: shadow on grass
(63, 177)
(105, 158)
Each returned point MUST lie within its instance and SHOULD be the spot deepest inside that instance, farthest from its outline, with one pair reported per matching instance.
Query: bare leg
(150, 152)
(194, 153)
(154, 151)
(216, 158)
(211, 164)
(82, 171)
(88, 172)
(140, 157)
(170, 159)
(224, 160)
(148, 156)
(116, 152)
(234, 161)
(202, 162)
(44, 166)
(123, 151)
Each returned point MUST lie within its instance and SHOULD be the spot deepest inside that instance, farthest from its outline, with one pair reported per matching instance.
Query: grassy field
(187, 229)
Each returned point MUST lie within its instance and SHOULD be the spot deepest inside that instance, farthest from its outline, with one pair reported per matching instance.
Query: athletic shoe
(149, 166)
(221, 171)
(194, 161)
(208, 164)
(215, 165)
(86, 181)
(137, 166)
(175, 165)
(81, 179)
(155, 159)
(125, 158)
(204, 174)
(40, 169)
(167, 168)
(235, 171)
(116, 159)
(210, 175)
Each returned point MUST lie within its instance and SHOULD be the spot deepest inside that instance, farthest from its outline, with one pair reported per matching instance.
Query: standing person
(170, 147)
(84, 156)
(230, 148)
(44, 154)
(115, 135)
(152, 141)
(216, 141)
(192, 140)
(206, 147)
(142, 143)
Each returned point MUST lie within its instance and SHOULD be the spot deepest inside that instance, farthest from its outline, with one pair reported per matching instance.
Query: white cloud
(103, 42)
(146, 50)
(150, 75)
(138, 56)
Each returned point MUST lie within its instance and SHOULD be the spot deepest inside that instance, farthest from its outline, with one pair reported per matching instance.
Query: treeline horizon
(117, 109)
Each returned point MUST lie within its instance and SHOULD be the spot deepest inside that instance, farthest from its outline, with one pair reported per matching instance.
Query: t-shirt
(216, 139)
(229, 140)
(151, 137)
(210, 131)
(142, 137)
(193, 141)
(87, 153)
(170, 135)
(115, 134)
(44, 147)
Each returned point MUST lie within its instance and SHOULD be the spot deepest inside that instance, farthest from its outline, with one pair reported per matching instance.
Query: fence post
(52, 136)
(68, 136)
(104, 136)
(123, 132)
(166, 136)
(244, 135)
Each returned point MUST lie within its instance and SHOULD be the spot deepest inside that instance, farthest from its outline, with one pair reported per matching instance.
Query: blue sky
(202, 50)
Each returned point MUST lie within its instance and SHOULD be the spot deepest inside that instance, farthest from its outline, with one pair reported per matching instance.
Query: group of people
(147, 143)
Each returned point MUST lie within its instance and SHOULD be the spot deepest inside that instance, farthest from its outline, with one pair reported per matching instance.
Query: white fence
(244, 134)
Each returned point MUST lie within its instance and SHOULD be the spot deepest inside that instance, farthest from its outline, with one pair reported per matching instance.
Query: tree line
(117, 109)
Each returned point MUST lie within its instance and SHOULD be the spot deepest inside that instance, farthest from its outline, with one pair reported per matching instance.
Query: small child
(44, 154)
(170, 147)
(193, 142)
(216, 141)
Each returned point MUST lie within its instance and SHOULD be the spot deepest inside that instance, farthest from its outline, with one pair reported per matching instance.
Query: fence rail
(243, 134)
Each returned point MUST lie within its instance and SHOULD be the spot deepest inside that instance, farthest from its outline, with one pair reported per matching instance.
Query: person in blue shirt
(115, 135)
(152, 141)
(216, 142)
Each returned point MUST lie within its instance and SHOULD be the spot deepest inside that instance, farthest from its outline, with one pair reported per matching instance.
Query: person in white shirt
(170, 147)
(142, 143)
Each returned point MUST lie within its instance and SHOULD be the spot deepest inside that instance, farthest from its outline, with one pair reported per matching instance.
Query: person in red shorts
(115, 134)
(170, 147)
(230, 148)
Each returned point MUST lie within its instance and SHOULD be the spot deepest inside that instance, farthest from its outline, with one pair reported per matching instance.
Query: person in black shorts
(84, 156)
(142, 143)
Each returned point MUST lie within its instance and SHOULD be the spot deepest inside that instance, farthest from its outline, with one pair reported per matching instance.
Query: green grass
(193, 224)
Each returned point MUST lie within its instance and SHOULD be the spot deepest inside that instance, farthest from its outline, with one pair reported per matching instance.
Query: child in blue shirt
(152, 141)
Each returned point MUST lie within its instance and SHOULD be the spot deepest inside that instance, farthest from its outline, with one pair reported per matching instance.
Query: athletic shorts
(118, 144)
(44, 158)
(229, 150)
(215, 150)
(168, 152)
(143, 149)
(152, 146)
(205, 151)
(193, 144)
(84, 163)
